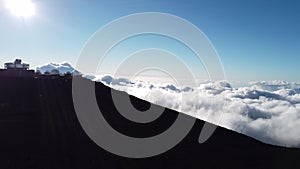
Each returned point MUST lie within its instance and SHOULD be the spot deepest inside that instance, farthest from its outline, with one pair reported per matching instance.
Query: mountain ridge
(41, 130)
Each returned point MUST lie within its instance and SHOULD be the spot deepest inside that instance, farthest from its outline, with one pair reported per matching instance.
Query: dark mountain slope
(39, 129)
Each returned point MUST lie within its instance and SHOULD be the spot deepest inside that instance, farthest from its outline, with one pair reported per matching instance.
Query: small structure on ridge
(17, 64)
(16, 69)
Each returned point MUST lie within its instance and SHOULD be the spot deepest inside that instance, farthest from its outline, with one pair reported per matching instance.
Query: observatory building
(16, 69)
(17, 64)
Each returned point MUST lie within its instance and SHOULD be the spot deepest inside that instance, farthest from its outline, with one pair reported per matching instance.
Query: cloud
(276, 85)
(62, 68)
(267, 111)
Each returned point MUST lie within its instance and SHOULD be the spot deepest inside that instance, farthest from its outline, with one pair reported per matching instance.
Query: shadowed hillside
(39, 129)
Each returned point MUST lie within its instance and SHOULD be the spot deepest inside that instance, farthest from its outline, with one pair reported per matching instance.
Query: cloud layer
(267, 111)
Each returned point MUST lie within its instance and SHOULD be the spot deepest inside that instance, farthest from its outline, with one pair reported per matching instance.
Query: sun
(21, 8)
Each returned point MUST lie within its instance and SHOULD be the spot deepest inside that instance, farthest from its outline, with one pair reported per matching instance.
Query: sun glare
(21, 8)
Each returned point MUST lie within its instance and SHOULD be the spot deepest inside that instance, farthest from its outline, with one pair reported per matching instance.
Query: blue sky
(256, 39)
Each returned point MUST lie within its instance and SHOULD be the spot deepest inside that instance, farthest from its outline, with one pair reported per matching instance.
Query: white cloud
(267, 111)
(276, 85)
(63, 68)
(269, 114)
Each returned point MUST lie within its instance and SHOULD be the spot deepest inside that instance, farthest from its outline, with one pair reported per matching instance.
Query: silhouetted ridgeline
(39, 129)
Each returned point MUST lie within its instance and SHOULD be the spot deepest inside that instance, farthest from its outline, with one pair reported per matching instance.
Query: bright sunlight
(21, 8)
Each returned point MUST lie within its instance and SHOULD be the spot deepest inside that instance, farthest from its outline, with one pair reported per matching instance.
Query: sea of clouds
(267, 111)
